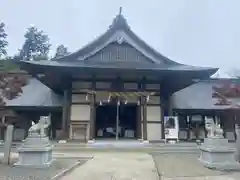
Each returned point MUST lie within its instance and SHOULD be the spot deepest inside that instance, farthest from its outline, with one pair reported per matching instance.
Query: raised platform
(128, 146)
(118, 143)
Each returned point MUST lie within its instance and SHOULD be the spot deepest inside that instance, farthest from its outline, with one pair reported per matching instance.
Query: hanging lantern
(100, 103)
(125, 102)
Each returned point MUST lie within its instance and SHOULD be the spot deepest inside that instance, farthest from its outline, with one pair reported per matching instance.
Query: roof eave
(38, 67)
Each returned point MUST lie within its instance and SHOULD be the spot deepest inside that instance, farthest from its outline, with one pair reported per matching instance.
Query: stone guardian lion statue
(41, 127)
(213, 130)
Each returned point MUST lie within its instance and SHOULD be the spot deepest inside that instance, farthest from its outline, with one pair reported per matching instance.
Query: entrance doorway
(113, 118)
(128, 121)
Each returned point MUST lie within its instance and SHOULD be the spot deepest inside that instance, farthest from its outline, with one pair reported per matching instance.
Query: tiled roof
(199, 96)
(36, 94)
(119, 33)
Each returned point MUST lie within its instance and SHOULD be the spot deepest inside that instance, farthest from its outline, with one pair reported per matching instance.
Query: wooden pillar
(162, 122)
(143, 103)
(139, 121)
(66, 113)
(92, 117)
(144, 114)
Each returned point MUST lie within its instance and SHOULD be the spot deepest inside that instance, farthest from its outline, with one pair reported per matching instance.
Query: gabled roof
(35, 94)
(119, 34)
(199, 96)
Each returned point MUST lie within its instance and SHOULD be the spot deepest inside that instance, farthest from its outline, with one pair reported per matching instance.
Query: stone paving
(187, 167)
(141, 166)
(116, 166)
(59, 165)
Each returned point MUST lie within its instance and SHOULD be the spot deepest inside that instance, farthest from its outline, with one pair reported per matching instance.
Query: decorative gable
(119, 51)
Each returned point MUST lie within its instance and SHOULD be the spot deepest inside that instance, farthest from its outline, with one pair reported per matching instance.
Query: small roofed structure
(199, 96)
(35, 95)
(35, 100)
(200, 99)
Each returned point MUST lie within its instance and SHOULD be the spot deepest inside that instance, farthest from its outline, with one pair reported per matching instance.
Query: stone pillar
(8, 144)
(237, 129)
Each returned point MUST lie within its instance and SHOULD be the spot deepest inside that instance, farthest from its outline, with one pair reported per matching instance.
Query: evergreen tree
(36, 45)
(61, 51)
(3, 41)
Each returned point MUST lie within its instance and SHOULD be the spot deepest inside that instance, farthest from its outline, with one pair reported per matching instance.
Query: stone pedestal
(217, 153)
(35, 152)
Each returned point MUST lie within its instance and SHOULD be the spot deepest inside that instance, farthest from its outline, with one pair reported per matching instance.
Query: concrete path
(116, 166)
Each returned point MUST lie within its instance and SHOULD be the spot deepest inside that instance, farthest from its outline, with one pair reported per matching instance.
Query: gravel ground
(17, 173)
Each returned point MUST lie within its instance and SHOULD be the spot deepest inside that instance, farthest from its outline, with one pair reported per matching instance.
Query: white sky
(194, 32)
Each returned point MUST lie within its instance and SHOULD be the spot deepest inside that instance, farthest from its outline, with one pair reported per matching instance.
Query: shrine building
(117, 86)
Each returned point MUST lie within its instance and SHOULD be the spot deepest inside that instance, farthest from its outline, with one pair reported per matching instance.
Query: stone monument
(8, 144)
(36, 151)
(216, 152)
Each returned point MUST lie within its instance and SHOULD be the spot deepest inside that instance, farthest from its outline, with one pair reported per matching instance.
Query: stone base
(145, 142)
(35, 166)
(62, 141)
(35, 152)
(91, 141)
(227, 166)
(216, 153)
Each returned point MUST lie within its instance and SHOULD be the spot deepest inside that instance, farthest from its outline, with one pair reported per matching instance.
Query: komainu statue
(41, 127)
(213, 130)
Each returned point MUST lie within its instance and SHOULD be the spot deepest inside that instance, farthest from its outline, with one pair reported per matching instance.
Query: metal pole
(117, 120)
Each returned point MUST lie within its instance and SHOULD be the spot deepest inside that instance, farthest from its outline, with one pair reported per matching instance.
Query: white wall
(154, 115)
(154, 129)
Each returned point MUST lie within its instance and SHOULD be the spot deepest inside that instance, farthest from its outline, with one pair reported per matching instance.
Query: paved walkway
(140, 166)
(116, 166)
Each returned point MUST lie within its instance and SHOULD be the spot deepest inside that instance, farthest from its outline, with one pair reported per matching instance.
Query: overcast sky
(194, 32)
